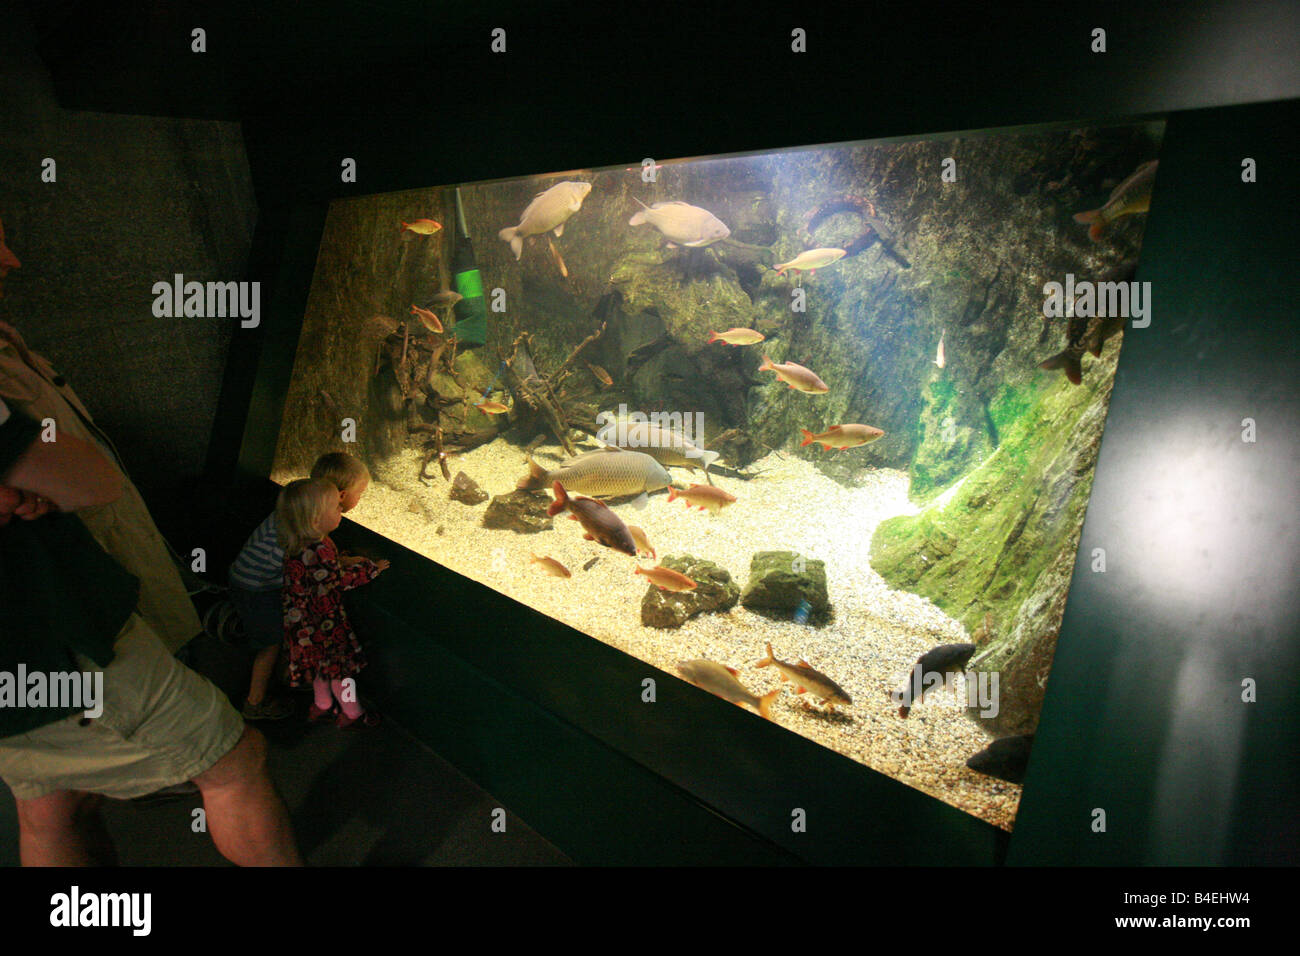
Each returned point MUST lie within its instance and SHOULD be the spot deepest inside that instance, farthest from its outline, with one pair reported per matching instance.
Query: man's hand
(24, 504)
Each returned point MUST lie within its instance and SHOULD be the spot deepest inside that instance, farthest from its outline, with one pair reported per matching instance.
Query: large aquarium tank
(813, 430)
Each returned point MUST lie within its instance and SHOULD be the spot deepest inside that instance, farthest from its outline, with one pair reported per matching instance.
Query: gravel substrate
(868, 649)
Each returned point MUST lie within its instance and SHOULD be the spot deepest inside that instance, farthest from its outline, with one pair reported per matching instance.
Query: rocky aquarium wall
(910, 280)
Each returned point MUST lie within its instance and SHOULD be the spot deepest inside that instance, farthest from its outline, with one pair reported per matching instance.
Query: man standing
(104, 595)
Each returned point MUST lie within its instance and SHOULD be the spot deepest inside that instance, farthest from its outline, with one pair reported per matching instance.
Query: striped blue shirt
(260, 566)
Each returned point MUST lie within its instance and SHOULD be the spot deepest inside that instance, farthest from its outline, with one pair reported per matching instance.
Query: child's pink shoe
(369, 719)
(315, 713)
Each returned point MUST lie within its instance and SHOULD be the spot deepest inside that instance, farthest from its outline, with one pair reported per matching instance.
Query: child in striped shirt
(257, 578)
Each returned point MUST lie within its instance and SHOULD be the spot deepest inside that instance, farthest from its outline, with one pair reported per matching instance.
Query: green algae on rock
(1002, 540)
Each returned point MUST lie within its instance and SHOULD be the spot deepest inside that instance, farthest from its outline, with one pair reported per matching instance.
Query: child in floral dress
(321, 646)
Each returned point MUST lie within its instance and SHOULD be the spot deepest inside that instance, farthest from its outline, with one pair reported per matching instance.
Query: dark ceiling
(403, 85)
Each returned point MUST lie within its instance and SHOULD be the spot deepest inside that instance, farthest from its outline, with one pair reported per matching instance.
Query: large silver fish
(605, 473)
(548, 210)
(682, 223)
(666, 445)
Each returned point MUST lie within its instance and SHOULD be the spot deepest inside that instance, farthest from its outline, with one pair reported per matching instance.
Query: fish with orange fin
(643, 548)
(601, 374)
(666, 579)
(421, 227)
(559, 259)
(737, 337)
(1131, 196)
(492, 408)
(806, 679)
(796, 376)
(705, 497)
(842, 436)
(598, 521)
(720, 680)
(551, 566)
(427, 318)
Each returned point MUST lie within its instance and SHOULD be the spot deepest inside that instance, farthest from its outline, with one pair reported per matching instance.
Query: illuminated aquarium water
(782, 425)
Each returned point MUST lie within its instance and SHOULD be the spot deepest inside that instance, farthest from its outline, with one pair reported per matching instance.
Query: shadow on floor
(376, 797)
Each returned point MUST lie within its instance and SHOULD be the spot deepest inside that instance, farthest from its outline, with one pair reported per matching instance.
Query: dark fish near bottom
(1007, 758)
(601, 524)
(944, 659)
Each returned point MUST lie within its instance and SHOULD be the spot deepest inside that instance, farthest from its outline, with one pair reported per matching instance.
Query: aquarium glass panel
(813, 430)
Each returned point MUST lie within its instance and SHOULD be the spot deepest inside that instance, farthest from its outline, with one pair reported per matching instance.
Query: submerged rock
(521, 511)
(998, 553)
(714, 591)
(465, 490)
(782, 580)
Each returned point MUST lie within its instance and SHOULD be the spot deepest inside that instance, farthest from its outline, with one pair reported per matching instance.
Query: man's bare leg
(246, 818)
(64, 828)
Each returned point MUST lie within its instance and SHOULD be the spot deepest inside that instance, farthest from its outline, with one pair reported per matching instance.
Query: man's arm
(70, 472)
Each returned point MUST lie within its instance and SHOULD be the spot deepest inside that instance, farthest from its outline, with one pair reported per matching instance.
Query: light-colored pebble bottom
(876, 635)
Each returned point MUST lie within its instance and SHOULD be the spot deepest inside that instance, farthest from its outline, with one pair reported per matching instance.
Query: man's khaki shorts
(162, 724)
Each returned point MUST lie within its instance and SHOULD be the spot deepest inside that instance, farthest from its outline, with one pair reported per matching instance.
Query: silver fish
(721, 681)
(548, 211)
(666, 445)
(605, 473)
(682, 223)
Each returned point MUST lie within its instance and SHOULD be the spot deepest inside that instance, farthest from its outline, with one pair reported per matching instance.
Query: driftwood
(534, 392)
(441, 446)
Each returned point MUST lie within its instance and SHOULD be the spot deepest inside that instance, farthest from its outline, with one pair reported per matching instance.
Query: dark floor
(372, 798)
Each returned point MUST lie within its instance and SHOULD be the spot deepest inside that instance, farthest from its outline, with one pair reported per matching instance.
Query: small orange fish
(491, 408)
(737, 337)
(667, 579)
(551, 566)
(421, 227)
(842, 436)
(642, 542)
(430, 320)
(600, 373)
(796, 376)
(707, 497)
(559, 259)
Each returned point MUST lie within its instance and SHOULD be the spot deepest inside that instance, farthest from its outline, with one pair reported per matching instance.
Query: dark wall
(137, 199)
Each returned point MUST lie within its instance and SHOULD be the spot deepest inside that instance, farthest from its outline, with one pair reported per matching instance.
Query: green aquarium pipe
(471, 310)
